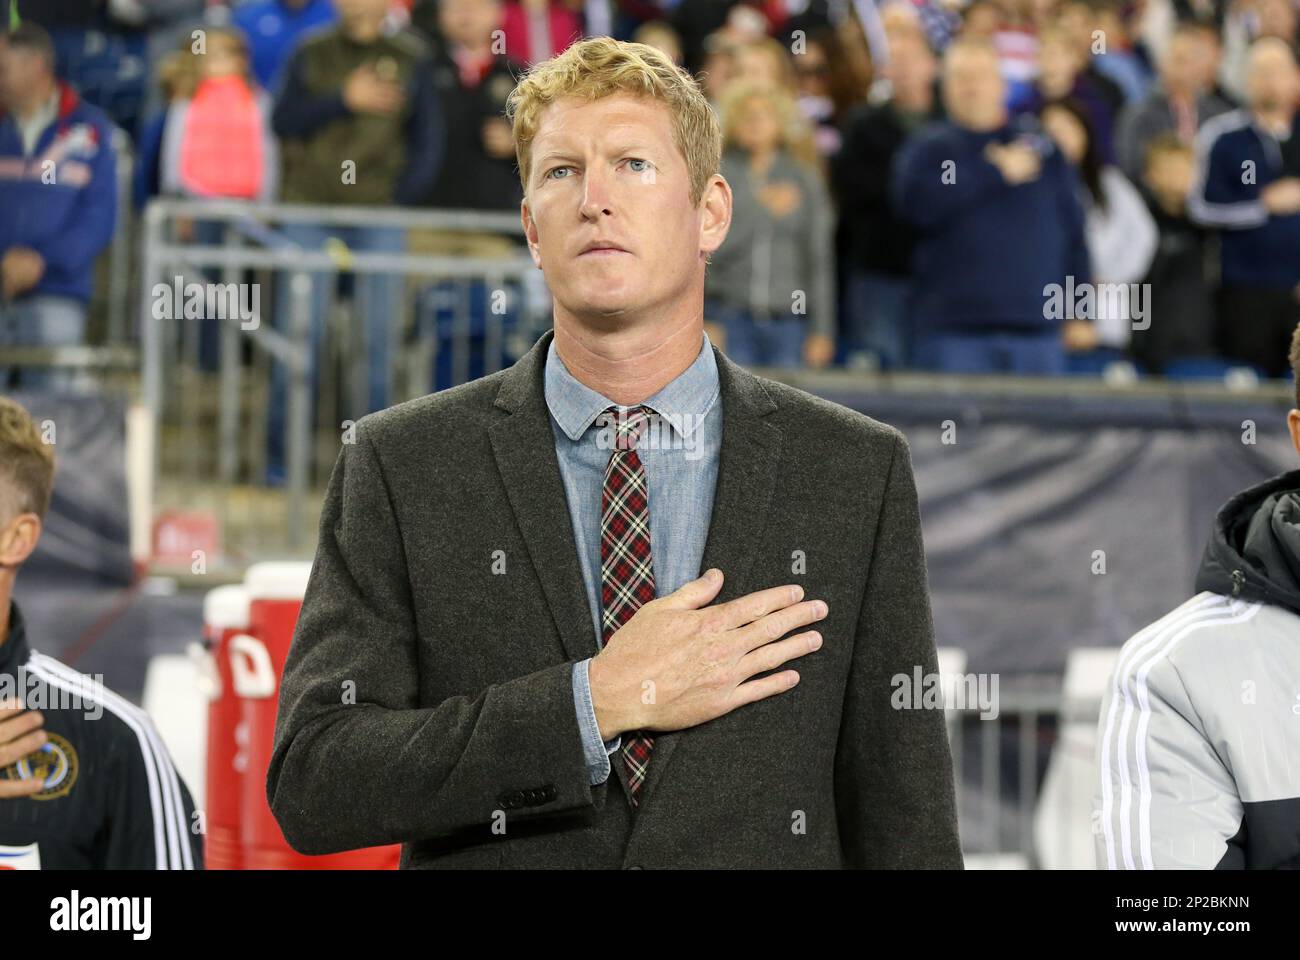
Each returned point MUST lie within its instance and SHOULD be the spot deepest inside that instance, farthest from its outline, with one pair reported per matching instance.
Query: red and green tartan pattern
(626, 574)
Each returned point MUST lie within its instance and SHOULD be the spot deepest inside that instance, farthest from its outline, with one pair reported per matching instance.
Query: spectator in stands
(1121, 233)
(1181, 103)
(1210, 59)
(274, 27)
(360, 124)
(660, 35)
(827, 88)
(771, 285)
(879, 244)
(537, 30)
(119, 803)
(58, 194)
(765, 61)
(1061, 74)
(997, 213)
(1248, 186)
(719, 65)
(473, 82)
(1083, 22)
(1181, 300)
(1247, 22)
(217, 143)
(1111, 45)
(214, 141)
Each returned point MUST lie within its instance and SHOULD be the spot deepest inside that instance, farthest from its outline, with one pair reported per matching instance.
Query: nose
(596, 196)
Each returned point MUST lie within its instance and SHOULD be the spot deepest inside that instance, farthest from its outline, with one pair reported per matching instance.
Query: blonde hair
(796, 133)
(26, 464)
(600, 67)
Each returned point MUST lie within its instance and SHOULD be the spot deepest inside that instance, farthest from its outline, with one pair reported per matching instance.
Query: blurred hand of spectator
(498, 141)
(1079, 335)
(365, 91)
(782, 198)
(1017, 162)
(20, 734)
(1282, 197)
(20, 270)
(818, 350)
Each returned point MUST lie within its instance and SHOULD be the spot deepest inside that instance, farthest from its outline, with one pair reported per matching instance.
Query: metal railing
(254, 251)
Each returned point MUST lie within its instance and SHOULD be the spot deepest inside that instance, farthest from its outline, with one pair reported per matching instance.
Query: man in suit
(507, 655)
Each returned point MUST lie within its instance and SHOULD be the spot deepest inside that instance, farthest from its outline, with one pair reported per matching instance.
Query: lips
(601, 248)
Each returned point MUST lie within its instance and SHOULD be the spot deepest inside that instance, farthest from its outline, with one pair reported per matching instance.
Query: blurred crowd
(1021, 186)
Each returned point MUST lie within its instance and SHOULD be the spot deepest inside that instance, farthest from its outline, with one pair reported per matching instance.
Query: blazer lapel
(524, 446)
(747, 469)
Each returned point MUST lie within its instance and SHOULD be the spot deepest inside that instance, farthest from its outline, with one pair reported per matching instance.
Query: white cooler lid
(278, 580)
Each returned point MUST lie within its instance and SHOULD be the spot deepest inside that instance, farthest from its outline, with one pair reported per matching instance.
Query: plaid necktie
(627, 578)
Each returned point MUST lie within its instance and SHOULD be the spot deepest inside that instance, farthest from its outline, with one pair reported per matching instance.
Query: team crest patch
(54, 763)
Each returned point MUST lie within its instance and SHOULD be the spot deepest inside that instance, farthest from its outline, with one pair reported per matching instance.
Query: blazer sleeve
(359, 759)
(894, 796)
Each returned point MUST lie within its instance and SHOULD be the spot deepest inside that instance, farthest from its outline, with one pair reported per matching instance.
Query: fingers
(746, 609)
(15, 750)
(693, 595)
(11, 789)
(780, 622)
(763, 688)
(771, 655)
(20, 731)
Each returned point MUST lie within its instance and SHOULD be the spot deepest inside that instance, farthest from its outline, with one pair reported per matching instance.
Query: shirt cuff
(597, 751)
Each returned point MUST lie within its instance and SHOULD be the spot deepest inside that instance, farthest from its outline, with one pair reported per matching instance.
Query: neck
(39, 98)
(1272, 117)
(362, 31)
(914, 101)
(629, 365)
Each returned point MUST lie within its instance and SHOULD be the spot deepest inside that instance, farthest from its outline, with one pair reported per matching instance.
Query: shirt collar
(683, 403)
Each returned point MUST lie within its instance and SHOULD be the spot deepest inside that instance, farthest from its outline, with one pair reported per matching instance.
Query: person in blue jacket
(58, 202)
(1248, 188)
(995, 207)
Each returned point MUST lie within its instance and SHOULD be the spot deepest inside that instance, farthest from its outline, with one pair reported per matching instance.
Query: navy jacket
(987, 250)
(62, 200)
(1259, 250)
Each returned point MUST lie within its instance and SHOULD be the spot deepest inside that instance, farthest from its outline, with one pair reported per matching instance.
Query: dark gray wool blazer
(427, 700)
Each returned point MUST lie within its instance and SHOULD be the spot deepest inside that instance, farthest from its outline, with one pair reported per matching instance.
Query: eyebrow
(561, 154)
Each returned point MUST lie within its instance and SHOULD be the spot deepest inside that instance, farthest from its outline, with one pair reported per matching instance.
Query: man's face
(608, 172)
(973, 89)
(911, 65)
(361, 11)
(1180, 71)
(20, 76)
(1271, 79)
(469, 22)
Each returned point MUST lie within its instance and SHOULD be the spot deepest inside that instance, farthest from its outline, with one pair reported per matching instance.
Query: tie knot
(628, 425)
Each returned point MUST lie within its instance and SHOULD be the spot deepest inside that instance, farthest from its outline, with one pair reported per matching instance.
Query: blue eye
(550, 174)
(637, 160)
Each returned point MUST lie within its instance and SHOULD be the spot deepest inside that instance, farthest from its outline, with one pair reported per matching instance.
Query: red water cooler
(225, 615)
(256, 660)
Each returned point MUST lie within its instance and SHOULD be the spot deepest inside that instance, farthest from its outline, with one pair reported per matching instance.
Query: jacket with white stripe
(1235, 160)
(112, 797)
(1198, 749)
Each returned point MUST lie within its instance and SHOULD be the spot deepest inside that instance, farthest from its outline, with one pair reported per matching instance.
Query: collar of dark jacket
(14, 651)
(523, 388)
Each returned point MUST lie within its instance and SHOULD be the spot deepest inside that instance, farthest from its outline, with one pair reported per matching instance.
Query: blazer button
(636, 866)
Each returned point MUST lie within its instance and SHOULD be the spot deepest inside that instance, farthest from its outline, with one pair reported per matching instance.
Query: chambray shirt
(680, 450)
